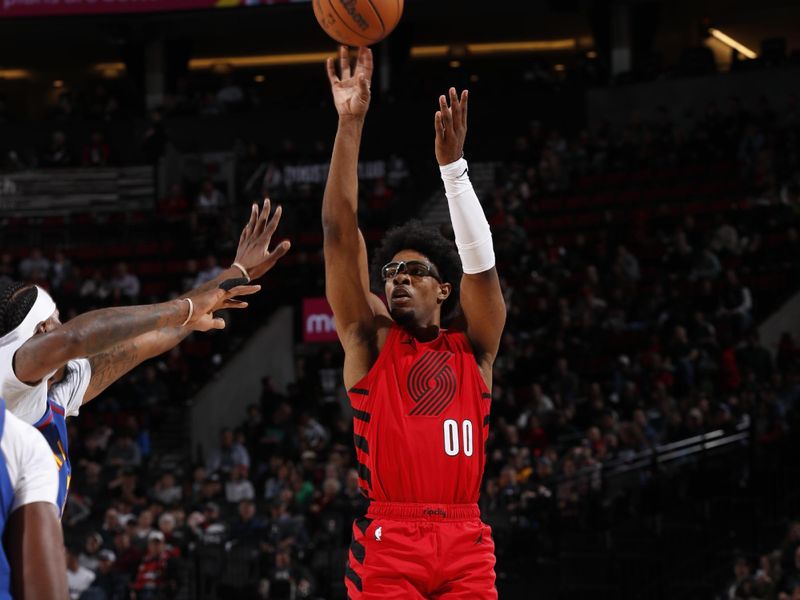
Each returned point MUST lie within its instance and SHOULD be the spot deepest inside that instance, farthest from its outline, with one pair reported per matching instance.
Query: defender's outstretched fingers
(438, 126)
(262, 218)
(278, 253)
(233, 303)
(272, 225)
(247, 230)
(464, 99)
(241, 290)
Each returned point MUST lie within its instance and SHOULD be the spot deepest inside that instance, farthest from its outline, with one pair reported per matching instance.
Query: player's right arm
(255, 257)
(34, 541)
(357, 311)
(99, 330)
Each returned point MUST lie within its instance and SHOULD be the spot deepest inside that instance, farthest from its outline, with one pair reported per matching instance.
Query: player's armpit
(35, 546)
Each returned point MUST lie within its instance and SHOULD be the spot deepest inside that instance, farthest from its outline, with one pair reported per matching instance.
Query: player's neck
(424, 332)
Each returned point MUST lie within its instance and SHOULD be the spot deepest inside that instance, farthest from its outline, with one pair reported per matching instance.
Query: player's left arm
(481, 296)
(254, 258)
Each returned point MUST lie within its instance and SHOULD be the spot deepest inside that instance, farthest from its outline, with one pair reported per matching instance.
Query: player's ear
(445, 289)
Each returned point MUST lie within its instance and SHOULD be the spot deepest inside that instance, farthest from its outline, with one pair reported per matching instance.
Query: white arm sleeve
(473, 236)
(68, 393)
(30, 463)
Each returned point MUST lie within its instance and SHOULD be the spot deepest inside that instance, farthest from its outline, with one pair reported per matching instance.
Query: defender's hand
(450, 123)
(351, 93)
(207, 303)
(253, 251)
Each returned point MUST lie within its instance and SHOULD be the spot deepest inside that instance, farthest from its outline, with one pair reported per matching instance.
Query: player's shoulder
(21, 435)
(15, 428)
(24, 448)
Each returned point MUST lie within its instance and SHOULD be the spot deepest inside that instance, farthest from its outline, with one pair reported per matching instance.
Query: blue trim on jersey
(6, 502)
(53, 426)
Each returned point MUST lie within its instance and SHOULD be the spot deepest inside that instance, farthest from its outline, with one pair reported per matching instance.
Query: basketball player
(49, 370)
(32, 555)
(419, 392)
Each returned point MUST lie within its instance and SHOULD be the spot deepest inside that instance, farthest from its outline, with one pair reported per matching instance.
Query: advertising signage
(46, 8)
(318, 325)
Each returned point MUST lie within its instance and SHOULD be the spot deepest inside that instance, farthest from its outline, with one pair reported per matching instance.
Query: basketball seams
(343, 21)
(378, 14)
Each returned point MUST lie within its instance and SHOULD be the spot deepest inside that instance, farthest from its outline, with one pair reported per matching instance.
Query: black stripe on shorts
(363, 523)
(358, 551)
(352, 576)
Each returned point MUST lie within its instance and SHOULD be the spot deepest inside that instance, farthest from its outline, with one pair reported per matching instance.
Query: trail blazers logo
(431, 384)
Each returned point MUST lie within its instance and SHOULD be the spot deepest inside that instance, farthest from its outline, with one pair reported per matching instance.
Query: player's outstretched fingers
(344, 62)
(438, 125)
(455, 107)
(464, 102)
(332, 77)
(365, 61)
(447, 114)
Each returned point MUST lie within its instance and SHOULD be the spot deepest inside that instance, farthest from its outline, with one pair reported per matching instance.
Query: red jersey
(421, 419)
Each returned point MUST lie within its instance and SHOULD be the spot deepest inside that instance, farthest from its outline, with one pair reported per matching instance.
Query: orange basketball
(358, 22)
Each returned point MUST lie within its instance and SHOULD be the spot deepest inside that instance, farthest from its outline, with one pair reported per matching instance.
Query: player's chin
(403, 315)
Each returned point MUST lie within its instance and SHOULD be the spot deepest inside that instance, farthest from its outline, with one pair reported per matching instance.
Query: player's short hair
(427, 240)
(16, 301)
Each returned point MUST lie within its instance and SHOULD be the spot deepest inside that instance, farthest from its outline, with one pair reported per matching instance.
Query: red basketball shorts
(415, 551)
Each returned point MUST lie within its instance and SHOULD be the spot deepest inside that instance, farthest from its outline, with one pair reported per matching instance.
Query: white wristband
(242, 269)
(191, 311)
(473, 236)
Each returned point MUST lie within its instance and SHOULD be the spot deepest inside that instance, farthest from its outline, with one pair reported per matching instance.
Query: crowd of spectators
(620, 337)
(771, 576)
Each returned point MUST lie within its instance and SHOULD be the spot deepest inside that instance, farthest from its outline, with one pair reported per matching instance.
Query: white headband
(41, 310)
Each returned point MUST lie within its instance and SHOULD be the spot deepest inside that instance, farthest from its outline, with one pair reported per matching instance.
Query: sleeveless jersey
(53, 426)
(6, 503)
(421, 420)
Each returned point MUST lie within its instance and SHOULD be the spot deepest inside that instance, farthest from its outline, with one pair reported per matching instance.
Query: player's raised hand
(205, 304)
(253, 252)
(351, 88)
(450, 123)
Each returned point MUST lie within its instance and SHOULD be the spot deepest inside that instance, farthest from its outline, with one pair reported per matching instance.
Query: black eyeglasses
(415, 268)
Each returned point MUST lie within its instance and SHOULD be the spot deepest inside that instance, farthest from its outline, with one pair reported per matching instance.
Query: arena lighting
(529, 46)
(429, 51)
(498, 47)
(109, 70)
(263, 60)
(14, 74)
(267, 60)
(732, 43)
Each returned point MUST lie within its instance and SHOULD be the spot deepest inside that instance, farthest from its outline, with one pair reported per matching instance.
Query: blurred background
(639, 162)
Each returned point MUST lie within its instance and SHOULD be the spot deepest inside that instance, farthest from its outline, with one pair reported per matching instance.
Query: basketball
(358, 22)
